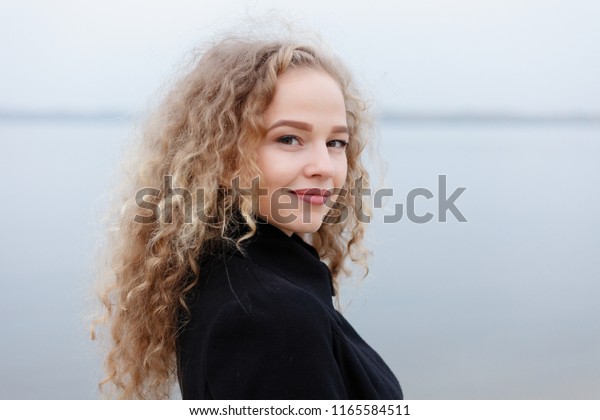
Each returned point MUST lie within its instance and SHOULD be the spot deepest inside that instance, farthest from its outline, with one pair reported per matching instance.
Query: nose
(320, 162)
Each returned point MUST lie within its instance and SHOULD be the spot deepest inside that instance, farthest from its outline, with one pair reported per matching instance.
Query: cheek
(273, 176)
(341, 172)
(266, 170)
(277, 168)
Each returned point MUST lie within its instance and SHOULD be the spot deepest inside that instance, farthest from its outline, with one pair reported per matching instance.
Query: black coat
(263, 326)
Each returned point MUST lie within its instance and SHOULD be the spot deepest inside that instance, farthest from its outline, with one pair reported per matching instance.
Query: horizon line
(385, 116)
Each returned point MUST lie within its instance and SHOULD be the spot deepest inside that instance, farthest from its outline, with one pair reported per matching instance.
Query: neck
(286, 231)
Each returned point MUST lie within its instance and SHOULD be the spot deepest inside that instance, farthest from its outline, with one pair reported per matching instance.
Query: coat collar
(290, 257)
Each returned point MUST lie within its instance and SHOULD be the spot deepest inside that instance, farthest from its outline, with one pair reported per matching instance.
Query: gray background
(503, 306)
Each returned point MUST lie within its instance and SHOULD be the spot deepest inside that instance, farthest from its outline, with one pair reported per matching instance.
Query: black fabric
(263, 326)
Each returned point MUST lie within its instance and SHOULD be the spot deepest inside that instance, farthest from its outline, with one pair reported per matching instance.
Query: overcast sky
(530, 56)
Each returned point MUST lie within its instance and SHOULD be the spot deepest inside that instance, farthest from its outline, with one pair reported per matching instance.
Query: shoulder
(241, 308)
(254, 334)
(231, 287)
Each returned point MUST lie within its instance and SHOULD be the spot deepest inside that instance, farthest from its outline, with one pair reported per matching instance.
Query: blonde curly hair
(204, 135)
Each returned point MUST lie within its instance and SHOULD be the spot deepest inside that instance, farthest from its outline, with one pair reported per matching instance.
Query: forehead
(307, 93)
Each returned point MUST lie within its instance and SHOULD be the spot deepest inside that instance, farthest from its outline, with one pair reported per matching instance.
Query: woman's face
(303, 156)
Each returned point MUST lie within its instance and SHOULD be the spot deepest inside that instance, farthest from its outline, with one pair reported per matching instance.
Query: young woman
(246, 211)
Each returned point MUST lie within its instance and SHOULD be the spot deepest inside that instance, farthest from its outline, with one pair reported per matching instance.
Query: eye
(338, 144)
(291, 140)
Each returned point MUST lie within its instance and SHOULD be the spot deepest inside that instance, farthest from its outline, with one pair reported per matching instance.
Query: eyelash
(343, 143)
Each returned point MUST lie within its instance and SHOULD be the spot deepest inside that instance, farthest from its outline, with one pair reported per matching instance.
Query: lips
(312, 195)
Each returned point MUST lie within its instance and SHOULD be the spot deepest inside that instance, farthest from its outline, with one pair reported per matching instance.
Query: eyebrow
(305, 126)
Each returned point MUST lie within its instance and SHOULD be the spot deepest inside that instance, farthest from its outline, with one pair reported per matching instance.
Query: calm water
(502, 306)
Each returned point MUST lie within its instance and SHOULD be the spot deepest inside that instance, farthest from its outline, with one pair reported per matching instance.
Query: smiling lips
(312, 195)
